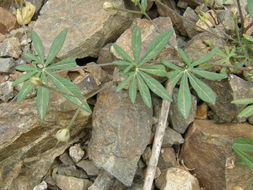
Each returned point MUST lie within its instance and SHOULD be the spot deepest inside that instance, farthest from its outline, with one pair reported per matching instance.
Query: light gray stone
(6, 64)
(103, 182)
(89, 167)
(41, 186)
(171, 137)
(6, 91)
(189, 20)
(76, 152)
(10, 47)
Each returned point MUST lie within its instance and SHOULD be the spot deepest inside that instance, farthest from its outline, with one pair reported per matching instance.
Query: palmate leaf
(56, 46)
(132, 89)
(171, 65)
(246, 112)
(206, 57)
(121, 63)
(204, 92)
(42, 99)
(24, 77)
(156, 46)
(25, 67)
(136, 43)
(38, 46)
(209, 75)
(250, 8)
(158, 70)
(64, 64)
(175, 76)
(124, 82)
(243, 101)
(155, 86)
(72, 93)
(184, 100)
(122, 53)
(33, 58)
(24, 91)
(144, 91)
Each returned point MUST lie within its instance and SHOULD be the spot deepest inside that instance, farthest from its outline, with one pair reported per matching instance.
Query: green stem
(70, 125)
(127, 10)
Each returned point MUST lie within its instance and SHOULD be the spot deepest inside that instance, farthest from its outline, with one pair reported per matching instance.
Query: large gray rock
(28, 147)
(90, 26)
(121, 131)
(6, 64)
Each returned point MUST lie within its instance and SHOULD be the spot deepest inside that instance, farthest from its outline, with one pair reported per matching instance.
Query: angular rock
(177, 179)
(6, 91)
(76, 152)
(6, 64)
(103, 182)
(202, 111)
(71, 183)
(228, 90)
(105, 56)
(148, 31)
(10, 47)
(99, 75)
(89, 167)
(172, 137)
(66, 160)
(211, 144)
(41, 186)
(189, 22)
(121, 131)
(84, 39)
(72, 171)
(226, 20)
(6, 4)
(177, 120)
(27, 147)
(8, 21)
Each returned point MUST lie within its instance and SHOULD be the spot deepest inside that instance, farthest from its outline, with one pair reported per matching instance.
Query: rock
(103, 182)
(172, 137)
(189, 20)
(27, 147)
(84, 39)
(121, 131)
(177, 120)
(177, 179)
(8, 23)
(72, 171)
(87, 83)
(71, 183)
(227, 91)
(202, 111)
(6, 4)
(211, 144)
(10, 47)
(6, 64)
(6, 91)
(66, 160)
(38, 4)
(41, 186)
(76, 152)
(99, 75)
(89, 167)
(148, 31)
(105, 56)
(225, 18)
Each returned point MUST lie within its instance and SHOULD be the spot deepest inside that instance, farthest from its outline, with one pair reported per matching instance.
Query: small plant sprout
(108, 5)
(63, 135)
(42, 70)
(137, 71)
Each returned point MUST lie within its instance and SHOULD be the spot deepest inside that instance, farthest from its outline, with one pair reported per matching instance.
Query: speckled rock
(6, 64)
(90, 26)
(6, 91)
(76, 152)
(121, 131)
(172, 137)
(10, 47)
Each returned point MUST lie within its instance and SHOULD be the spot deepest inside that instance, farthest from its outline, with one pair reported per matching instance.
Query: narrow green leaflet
(72, 93)
(24, 91)
(121, 63)
(132, 89)
(248, 160)
(175, 77)
(136, 43)
(209, 75)
(33, 58)
(156, 46)
(204, 92)
(184, 100)
(246, 112)
(183, 55)
(155, 86)
(124, 83)
(56, 46)
(42, 99)
(122, 53)
(144, 4)
(144, 91)
(170, 65)
(206, 57)
(248, 37)
(250, 8)
(243, 101)
(158, 70)
(64, 64)
(244, 141)
(25, 67)
(23, 78)
(38, 46)
(127, 69)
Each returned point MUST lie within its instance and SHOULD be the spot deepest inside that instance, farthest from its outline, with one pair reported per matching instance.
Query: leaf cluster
(42, 68)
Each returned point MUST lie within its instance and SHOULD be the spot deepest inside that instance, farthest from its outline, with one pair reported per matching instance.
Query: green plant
(136, 70)
(187, 74)
(41, 71)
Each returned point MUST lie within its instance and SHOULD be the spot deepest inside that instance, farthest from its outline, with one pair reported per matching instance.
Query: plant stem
(70, 125)
(127, 10)
(158, 139)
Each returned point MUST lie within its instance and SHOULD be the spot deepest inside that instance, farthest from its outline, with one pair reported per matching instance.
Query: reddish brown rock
(207, 149)
(8, 21)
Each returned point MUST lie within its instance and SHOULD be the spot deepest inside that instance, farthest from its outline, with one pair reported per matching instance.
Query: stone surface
(177, 179)
(228, 90)
(89, 167)
(72, 171)
(105, 56)
(27, 147)
(6, 91)
(171, 137)
(225, 18)
(202, 111)
(10, 47)
(189, 20)
(41, 186)
(66, 160)
(71, 183)
(76, 152)
(99, 75)
(207, 149)
(84, 39)
(148, 31)
(6, 64)
(103, 182)
(121, 131)
(8, 21)
(177, 120)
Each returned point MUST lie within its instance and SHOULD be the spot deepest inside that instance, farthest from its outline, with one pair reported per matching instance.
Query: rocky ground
(110, 148)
